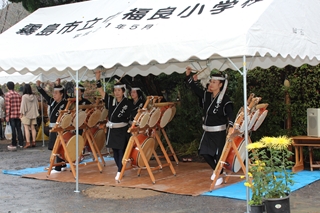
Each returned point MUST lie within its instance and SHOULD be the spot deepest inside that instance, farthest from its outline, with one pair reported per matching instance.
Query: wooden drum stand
(253, 109)
(63, 147)
(135, 143)
(168, 111)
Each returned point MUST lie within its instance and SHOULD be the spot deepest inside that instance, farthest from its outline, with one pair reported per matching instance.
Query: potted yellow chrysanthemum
(269, 170)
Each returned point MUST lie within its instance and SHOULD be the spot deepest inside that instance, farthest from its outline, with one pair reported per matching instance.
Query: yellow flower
(268, 141)
(247, 184)
(249, 174)
(256, 145)
(242, 176)
(282, 142)
(260, 169)
(259, 163)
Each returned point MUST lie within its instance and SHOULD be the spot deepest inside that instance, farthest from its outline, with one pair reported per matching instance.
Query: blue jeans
(15, 124)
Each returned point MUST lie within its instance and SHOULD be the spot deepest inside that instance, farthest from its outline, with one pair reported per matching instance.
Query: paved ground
(27, 195)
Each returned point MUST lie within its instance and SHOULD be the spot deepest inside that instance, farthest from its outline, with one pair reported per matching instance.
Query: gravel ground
(29, 195)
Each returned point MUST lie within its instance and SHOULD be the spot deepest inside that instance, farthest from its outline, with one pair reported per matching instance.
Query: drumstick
(195, 70)
(59, 79)
(121, 77)
(200, 71)
(65, 77)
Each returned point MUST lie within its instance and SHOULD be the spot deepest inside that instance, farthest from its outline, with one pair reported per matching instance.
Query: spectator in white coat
(29, 113)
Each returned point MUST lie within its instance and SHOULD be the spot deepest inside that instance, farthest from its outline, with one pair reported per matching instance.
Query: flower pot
(277, 205)
(257, 208)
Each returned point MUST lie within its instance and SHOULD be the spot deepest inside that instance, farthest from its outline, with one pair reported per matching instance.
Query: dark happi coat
(138, 105)
(117, 138)
(214, 115)
(53, 113)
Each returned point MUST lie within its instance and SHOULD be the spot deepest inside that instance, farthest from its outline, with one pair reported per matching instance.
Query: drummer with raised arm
(56, 102)
(218, 116)
(119, 110)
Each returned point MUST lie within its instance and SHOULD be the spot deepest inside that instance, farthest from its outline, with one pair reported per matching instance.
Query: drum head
(71, 147)
(99, 138)
(104, 114)
(165, 118)
(253, 119)
(81, 118)
(260, 120)
(242, 151)
(242, 125)
(144, 120)
(147, 148)
(154, 118)
(94, 118)
(232, 154)
(65, 121)
(174, 110)
(238, 121)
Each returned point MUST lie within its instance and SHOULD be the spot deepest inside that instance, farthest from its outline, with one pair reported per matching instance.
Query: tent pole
(77, 126)
(104, 89)
(244, 74)
(42, 124)
(77, 132)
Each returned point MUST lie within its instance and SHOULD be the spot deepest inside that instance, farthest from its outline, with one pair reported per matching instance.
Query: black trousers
(1, 131)
(52, 140)
(118, 155)
(15, 124)
(212, 161)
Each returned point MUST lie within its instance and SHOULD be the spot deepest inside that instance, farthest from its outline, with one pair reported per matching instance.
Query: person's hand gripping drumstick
(38, 83)
(188, 72)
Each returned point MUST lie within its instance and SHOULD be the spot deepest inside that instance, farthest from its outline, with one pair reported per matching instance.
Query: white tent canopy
(163, 36)
(143, 36)
(30, 78)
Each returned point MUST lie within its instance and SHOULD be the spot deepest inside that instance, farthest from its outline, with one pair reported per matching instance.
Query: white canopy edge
(31, 78)
(274, 33)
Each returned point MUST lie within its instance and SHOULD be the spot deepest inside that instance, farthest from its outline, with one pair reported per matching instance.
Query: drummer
(137, 99)
(56, 102)
(82, 100)
(119, 110)
(218, 115)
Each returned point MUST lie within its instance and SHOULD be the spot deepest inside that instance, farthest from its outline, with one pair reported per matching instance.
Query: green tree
(32, 5)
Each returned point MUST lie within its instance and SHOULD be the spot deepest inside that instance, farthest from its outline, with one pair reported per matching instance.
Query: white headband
(58, 88)
(218, 78)
(119, 86)
(223, 91)
(135, 88)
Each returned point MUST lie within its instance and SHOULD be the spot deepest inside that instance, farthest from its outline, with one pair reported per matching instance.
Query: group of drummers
(121, 112)
(218, 117)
